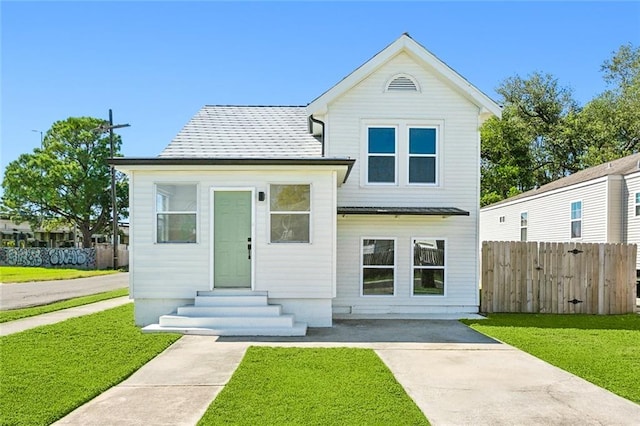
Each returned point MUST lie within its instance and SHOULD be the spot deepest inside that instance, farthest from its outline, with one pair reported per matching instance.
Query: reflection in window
(290, 210)
(176, 207)
(428, 267)
(422, 155)
(381, 161)
(378, 267)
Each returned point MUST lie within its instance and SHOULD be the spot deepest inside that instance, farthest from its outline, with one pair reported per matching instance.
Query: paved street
(14, 296)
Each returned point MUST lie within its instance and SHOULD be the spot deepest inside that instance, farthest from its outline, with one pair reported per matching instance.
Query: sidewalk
(11, 327)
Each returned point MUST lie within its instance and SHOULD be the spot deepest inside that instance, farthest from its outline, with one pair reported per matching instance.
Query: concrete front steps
(230, 313)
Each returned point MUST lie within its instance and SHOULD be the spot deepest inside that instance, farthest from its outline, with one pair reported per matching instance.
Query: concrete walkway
(455, 375)
(11, 327)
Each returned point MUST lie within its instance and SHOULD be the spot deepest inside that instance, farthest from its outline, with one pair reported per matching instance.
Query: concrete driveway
(454, 374)
(23, 295)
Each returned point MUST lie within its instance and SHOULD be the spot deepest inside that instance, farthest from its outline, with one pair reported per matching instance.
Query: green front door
(232, 239)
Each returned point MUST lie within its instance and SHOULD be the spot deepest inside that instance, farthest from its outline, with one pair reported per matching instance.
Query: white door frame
(212, 192)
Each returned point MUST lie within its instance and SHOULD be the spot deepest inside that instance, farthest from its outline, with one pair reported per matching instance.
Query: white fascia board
(552, 192)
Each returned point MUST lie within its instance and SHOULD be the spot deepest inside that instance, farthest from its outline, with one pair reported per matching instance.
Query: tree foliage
(67, 180)
(544, 135)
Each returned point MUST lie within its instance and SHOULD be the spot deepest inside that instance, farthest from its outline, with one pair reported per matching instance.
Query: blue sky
(157, 63)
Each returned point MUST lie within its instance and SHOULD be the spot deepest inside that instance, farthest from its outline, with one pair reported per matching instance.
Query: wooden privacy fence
(563, 278)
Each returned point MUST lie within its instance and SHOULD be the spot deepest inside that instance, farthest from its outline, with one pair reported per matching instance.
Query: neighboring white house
(600, 204)
(365, 202)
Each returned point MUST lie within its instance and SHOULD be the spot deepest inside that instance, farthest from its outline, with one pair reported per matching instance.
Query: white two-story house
(266, 219)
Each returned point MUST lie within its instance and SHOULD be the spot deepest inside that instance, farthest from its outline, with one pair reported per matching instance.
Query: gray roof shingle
(224, 131)
(622, 166)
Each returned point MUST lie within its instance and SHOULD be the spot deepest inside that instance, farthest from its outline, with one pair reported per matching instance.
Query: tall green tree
(67, 179)
(610, 123)
(534, 142)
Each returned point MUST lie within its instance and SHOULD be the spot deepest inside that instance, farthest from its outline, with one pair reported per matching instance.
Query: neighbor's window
(524, 224)
(576, 219)
(422, 155)
(501, 219)
(290, 210)
(378, 267)
(637, 203)
(176, 211)
(428, 267)
(381, 155)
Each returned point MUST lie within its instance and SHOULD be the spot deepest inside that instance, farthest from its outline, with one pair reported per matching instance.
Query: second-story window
(422, 155)
(381, 155)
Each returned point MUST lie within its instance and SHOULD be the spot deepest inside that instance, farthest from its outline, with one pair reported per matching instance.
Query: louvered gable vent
(402, 83)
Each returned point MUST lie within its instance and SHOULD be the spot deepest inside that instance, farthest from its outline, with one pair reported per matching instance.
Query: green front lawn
(604, 350)
(49, 371)
(302, 386)
(16, 314)
(22, 274)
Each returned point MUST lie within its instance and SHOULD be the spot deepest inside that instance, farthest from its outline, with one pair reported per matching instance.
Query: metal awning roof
(402, 211)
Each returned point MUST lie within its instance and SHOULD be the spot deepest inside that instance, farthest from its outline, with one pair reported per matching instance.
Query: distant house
(362, 203)
(598, 204)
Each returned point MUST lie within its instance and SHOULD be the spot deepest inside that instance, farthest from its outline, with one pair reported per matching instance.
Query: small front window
(428, 267)
(524, 225)
(381, 161)
(576, 219)
(378, 267)
(290, 210)
(637, 203)
(176, 212)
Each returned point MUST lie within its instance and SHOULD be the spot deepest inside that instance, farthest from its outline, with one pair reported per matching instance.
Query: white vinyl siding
(632, 222)
(438, 106)
(172, 271)
(462, 263)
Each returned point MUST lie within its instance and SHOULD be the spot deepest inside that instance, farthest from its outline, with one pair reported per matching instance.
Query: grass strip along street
(21, 274)
(605, 350)
(16, 314)
(49, 371)
(288, 386)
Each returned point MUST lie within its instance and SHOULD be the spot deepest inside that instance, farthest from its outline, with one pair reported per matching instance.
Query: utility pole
(114, 205)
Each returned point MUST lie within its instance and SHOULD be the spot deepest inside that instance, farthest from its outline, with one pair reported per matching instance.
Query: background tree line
(544, 134)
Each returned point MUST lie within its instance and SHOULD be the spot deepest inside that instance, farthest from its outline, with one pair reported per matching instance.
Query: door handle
(249, 247)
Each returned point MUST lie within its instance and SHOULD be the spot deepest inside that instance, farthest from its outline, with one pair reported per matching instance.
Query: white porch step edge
(229, 311)
(298, 329)
(231, 300)
(226, 322)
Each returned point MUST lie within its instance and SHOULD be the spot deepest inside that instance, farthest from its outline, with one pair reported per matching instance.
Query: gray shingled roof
(621, 166)
(223, 131)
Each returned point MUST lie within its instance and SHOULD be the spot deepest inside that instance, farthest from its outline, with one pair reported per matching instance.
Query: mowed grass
(16, 314)
(49, 371)
(312, 386)
(604, 350)
(23, 274)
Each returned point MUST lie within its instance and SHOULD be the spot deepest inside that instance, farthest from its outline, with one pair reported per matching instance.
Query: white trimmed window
(637, 203)
(381, 155)
(423, 160)
(429, 266)
(378, 256)
(290, 213)
(176, 213)
(524, 225)
(576, 219)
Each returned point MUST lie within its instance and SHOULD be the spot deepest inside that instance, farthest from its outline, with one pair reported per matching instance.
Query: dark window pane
(377, 252)
(377, 281)
(176, 228)
(422, 170)
(428, 252)
(523, 234)
(422, 141)
(289, 228)
(428, 281)
(382, 169)
(576, 229)
(382, 140)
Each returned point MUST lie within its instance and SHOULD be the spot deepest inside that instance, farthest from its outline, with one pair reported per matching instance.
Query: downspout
(321, 123)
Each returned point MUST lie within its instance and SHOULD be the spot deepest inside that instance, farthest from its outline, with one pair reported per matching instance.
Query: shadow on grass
(576, 321)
